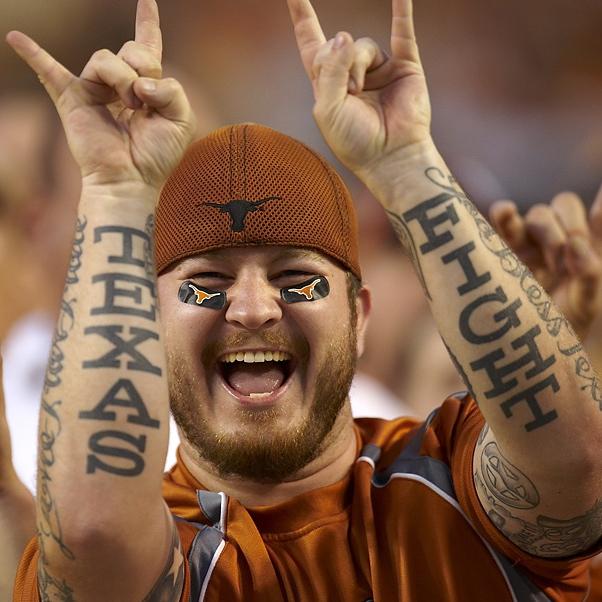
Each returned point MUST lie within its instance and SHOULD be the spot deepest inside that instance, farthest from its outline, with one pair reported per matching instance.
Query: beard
(264, 454)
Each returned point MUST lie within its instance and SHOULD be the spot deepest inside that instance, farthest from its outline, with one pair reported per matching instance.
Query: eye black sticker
(198, 295)
(310, 290)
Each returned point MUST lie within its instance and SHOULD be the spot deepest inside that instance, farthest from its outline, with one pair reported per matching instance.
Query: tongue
(260, 377)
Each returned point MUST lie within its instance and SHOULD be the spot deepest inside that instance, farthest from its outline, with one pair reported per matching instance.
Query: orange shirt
(595, 594)
(405, 524)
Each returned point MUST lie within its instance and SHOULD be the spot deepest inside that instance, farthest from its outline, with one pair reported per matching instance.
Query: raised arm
(519, 356)
(103, 530)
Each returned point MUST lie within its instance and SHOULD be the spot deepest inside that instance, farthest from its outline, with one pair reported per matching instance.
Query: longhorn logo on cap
(238, 209)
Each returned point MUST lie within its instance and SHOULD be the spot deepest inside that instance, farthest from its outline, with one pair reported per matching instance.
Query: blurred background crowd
(516, 89)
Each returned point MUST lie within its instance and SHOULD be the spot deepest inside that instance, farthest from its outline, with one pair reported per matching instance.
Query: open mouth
(256, 376)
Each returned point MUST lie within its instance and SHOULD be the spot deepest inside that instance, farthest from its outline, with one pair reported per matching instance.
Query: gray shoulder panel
(203, 555)
(409, 463)
(210, 503)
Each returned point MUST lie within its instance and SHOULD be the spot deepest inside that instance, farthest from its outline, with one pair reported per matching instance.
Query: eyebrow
(302, 254)
(285, 254)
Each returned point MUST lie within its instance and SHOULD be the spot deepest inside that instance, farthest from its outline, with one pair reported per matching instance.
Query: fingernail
(148, 85)
(339, 41)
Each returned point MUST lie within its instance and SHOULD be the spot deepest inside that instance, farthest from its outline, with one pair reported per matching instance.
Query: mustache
(297, 346)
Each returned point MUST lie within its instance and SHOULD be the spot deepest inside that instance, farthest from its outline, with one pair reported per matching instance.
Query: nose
(253, 303)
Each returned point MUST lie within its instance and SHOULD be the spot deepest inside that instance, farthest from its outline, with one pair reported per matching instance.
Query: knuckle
(171, 83)
(539, 213)
(103, 55)
(568, 200)
(127, 48)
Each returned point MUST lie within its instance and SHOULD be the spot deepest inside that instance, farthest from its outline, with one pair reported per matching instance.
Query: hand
(124, 124)
(368, 106)
(562, 246)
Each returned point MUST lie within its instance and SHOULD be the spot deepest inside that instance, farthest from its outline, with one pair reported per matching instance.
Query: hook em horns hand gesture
(124, 124)
(368, 105)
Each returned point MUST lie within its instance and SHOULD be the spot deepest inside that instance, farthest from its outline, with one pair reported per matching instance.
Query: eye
(210, 275)
(291, 277)
(211, 279)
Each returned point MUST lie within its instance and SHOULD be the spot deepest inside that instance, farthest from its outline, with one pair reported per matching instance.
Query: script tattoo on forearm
(506, 488)
(49, 522)
(112, 450)
(489, 315)
(555, 323)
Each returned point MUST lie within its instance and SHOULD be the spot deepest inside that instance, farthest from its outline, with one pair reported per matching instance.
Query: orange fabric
(596, 588)
(354, 541)
(248, 185)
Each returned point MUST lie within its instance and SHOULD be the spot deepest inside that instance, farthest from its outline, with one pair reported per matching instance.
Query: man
(277, 494)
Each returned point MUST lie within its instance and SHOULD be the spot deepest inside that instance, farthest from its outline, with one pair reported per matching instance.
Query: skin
(252, 279)
(127, 129)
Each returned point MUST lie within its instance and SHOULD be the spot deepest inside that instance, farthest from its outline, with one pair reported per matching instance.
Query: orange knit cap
(246, 185)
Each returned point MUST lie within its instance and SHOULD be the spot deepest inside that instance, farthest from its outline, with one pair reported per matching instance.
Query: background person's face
(263, 420)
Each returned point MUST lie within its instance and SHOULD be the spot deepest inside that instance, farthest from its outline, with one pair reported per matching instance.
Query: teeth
(260, 395)
(250, 357)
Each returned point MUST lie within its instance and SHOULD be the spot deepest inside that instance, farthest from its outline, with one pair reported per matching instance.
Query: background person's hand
(368, 105)
(562, 245)
(124, 124)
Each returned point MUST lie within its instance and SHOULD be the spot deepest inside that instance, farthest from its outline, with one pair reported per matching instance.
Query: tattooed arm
(103, 529)
(519, 356)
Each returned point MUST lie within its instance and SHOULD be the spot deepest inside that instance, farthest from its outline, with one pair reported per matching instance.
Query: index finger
(54, 77)
(148, 30)
(308, 31)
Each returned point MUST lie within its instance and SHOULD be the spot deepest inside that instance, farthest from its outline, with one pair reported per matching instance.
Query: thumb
(331, 83)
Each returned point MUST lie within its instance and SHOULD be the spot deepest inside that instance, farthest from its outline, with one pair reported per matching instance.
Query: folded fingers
(142, 59)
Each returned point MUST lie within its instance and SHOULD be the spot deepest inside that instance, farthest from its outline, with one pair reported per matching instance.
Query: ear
(363, 306)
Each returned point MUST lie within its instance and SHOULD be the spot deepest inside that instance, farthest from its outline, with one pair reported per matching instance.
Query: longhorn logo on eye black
(238, 209)
(310, 290)
(189, 293)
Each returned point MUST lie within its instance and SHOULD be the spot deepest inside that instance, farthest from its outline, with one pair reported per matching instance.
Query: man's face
(266, 419)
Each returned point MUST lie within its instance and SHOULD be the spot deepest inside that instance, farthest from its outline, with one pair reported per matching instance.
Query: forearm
(104, 415)
(519, 356)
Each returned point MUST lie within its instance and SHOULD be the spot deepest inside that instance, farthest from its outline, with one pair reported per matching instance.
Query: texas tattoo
(110, 449)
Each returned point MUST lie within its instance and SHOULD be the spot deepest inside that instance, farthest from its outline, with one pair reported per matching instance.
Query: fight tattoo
(112, 450)
(408, 244)
(517, 370)
(555, 323)
(49, 526)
